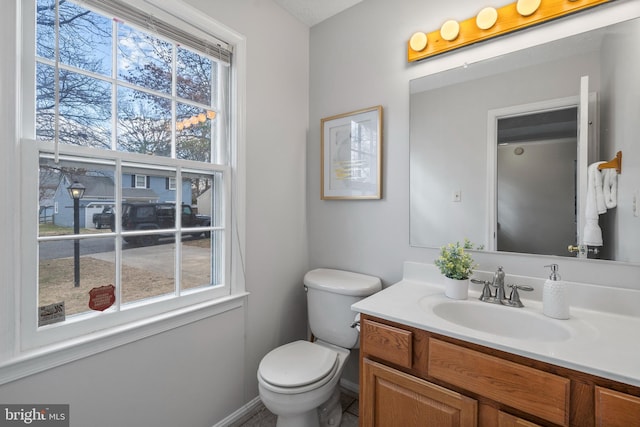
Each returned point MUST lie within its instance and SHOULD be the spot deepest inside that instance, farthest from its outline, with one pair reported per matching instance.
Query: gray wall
(352, 68)
(189, 376)
(358, 59)
(354, 60)
(277, 123)
(197, 374)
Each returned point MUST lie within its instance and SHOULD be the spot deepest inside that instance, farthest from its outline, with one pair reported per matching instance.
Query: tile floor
(349, 401)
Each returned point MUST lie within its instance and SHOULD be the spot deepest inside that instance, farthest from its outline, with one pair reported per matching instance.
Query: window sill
(51, 356)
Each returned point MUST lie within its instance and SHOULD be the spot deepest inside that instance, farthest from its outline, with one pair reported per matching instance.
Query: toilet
(298, 381)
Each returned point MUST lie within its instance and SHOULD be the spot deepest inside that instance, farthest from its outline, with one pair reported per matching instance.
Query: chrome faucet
(499, 297)
(498, 283)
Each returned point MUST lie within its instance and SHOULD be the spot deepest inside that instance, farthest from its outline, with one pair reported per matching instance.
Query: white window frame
(141, 178)
(28, 350)
(78, 325)
(172, 183)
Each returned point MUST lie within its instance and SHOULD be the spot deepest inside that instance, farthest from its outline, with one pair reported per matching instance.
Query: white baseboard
(245, 411)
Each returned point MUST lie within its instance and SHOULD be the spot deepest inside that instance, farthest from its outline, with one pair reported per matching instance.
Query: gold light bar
(491, 23)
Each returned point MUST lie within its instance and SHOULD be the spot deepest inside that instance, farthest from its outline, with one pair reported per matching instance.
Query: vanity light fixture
(491, 22)
(418, 41)
(486, 18)
(527, 7)
(450, 30)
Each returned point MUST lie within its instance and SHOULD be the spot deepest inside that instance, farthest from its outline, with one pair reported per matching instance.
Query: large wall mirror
(500, 149)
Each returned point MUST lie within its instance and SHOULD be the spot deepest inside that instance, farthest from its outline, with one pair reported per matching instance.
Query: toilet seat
(298, 367)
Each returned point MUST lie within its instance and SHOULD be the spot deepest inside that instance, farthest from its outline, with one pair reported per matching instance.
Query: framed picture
(351, 155)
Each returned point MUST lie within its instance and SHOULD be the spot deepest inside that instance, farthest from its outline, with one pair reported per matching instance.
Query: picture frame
(351, 155)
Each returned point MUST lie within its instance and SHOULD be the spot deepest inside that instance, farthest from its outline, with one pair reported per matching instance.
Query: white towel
(597, 181)
(610, 187)
(593, 205)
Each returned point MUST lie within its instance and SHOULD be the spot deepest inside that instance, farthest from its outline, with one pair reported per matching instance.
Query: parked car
(155, 216)
(105, 218)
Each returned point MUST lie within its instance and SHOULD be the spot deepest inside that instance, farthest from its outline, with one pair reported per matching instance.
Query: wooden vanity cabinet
(616, 409)
(411, 377)
(404, 400)
(508, 420)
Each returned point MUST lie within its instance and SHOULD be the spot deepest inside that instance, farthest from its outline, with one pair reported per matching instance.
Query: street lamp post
(76, 191)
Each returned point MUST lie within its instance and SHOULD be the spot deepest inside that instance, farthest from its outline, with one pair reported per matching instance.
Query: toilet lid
(297, 364)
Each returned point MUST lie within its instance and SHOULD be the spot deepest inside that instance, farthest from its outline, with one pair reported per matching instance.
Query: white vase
(456, 288)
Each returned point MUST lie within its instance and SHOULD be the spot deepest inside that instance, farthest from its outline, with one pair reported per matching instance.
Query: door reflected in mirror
(536, 182)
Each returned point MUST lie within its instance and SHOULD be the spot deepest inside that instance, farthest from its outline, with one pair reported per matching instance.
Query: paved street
(64, 249)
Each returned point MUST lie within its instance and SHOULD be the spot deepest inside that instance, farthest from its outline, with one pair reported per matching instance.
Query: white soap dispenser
(555, 301)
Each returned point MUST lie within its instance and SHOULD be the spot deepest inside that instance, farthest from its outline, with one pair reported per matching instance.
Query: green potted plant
(456, 265)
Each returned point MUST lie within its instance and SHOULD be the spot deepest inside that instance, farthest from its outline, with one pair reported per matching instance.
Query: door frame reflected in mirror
(530, 173)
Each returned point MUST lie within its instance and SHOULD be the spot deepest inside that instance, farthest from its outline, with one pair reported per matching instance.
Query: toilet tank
(330, 294)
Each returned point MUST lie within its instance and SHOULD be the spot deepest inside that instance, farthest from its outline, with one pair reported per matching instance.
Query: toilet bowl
(298, 382)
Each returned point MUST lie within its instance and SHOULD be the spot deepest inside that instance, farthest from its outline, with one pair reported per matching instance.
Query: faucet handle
(514, 298)
(521, 287)
(487, 294)
(486, 289)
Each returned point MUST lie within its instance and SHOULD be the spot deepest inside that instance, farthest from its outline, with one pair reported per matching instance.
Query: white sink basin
(499, 320)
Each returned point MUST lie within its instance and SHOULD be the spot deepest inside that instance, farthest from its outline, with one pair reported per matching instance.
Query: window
(136, 112)
(171, 183)
(140, 181)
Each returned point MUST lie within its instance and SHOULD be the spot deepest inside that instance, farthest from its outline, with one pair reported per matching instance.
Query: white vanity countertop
(605, 336)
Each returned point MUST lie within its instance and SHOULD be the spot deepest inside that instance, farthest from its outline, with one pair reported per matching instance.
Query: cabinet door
(508, 420)
(390, 398)
(615, 409)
